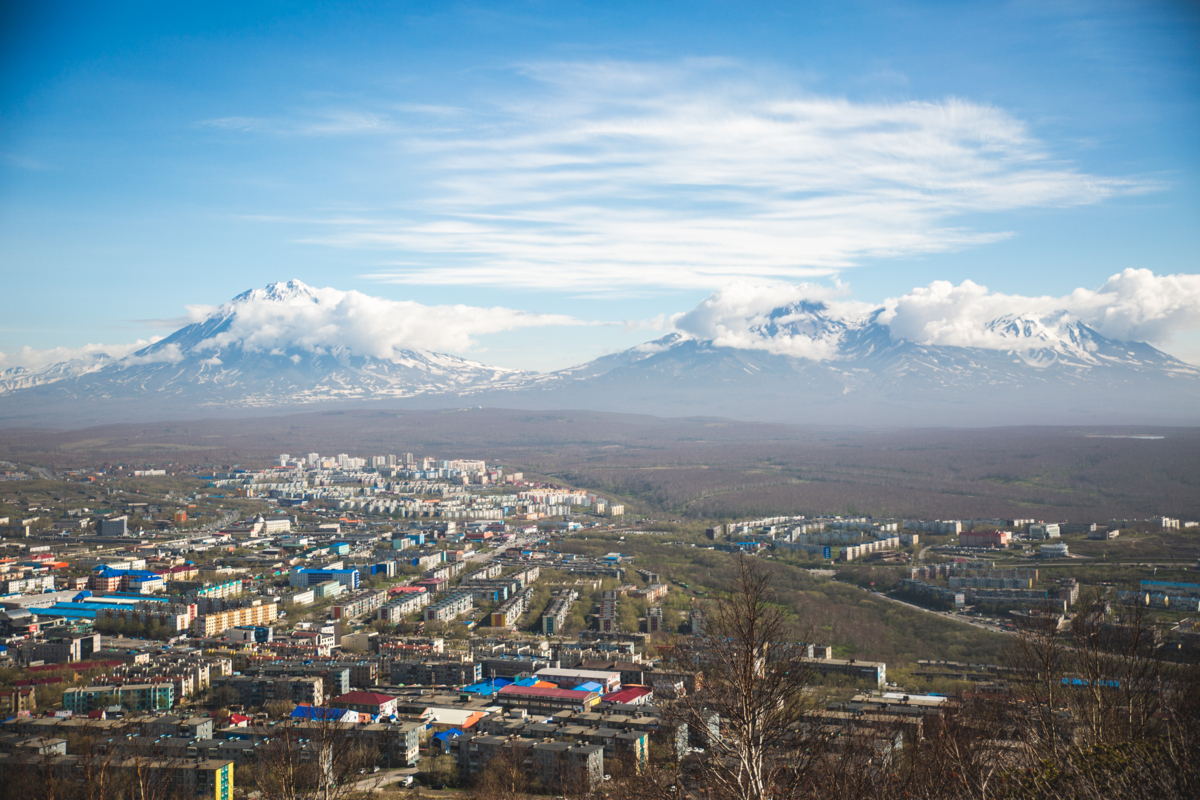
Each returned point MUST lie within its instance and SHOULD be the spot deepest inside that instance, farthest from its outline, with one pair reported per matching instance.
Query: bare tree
(506, 777)
(314, 760)
(754, 689)
(1113, 717)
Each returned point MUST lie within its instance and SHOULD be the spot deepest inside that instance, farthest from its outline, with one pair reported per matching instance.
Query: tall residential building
(608, 612)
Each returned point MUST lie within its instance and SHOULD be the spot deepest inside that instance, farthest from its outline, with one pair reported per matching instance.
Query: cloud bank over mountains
(321, 319)
(1133, 305)
(801, 320)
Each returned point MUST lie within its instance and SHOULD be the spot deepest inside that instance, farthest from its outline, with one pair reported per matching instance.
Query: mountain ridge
(799, 361)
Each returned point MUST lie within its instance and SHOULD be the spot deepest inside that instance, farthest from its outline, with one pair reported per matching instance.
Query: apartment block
(262, 689)
(256, 614)
(132, 697)
(451, 607)
(436, 673)
(402, 606)
(359, 604)
(556, 613)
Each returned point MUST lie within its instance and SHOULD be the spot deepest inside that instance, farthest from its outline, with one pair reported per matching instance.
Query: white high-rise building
(313, 458)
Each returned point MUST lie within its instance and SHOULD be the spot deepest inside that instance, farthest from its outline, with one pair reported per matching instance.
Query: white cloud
(33, 360)
(610, 175)
(804, 321)
(944, 314)
(298, 317)
(319, 320)
(1133, 305)
(1138, 305)
(168, 354)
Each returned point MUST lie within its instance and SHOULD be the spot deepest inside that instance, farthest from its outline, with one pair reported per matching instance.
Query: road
(375, 781)
(943, 614)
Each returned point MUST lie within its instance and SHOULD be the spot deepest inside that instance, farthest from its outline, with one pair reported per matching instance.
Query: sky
(547, 182)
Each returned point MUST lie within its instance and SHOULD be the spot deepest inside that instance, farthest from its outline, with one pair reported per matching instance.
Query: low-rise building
(373, 703)
(539, 700)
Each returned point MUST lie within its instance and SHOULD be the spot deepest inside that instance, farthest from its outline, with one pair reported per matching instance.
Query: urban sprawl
(429, 608)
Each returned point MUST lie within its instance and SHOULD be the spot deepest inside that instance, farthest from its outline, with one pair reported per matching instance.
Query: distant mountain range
(802, 365)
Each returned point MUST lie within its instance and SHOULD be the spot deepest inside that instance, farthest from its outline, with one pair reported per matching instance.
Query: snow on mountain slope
(21, 378)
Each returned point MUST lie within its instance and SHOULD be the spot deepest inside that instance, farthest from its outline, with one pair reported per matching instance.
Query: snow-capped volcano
(806, 363)
(284, 345)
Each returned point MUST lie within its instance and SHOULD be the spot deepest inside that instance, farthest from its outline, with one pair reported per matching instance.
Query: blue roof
(590, 686)
(49, 612)
(318, 712)
(157, 598)
(87, 609)
(446, 736)
(487, 688)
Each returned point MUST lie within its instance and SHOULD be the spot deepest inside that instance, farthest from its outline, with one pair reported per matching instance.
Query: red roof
(536, 691)
(363, 699)
(77, 665)
(627, 695)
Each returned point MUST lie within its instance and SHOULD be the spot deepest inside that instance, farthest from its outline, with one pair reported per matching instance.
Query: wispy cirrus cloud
(611, 176)
(331, 122)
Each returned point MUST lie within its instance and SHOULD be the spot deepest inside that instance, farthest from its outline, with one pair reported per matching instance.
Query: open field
(856, 623)
(707, 468)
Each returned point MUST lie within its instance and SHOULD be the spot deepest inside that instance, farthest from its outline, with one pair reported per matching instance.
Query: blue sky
(613, 163)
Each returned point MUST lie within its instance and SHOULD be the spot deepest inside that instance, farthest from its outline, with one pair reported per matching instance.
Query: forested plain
(703, 467)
